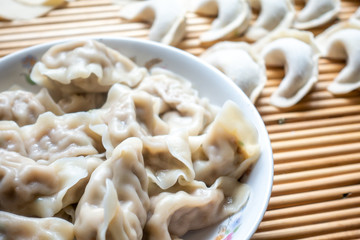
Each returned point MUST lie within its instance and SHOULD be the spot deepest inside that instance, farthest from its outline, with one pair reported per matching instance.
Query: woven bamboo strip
(316, 184)
(312, 124)
(322, 195)
(315, 132)
(61, 19)
(59, 26)
(83, 10)
(287, 117)
(126, 28)
(313, 153)
(313, 142)
(309, 230)
(317, 163)
(83, 3)
(308, 209)
(348, 235)
(290, 222)
(317, 173)
(311, 105)
(317, 87)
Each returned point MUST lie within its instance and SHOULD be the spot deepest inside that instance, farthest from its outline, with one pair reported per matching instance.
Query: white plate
(210, 83)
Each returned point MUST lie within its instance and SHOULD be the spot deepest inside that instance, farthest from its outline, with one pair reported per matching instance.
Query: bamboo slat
(316, 143)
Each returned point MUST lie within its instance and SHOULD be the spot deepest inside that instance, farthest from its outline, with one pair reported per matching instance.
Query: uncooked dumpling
(166, 16)
(274, 15)
(299, 54)
(356, 16)
(239, 62)
(317, 13)
(84, 66)
(233, 18)
(341, 42)
(26, 9)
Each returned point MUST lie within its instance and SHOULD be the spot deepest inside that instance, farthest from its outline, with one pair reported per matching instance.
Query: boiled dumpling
(81, 102)
(168, 159)
(182, 108)
(173, 214)
(20, 106)
(128, 113)
(239, 62)
(317, 13)
(19, 227)
(36, 189)
(11, 138)
(53, 137)
(228, 148)
(166, 16)
(84, 66)
(115, 202)
(233, 18)
(298, 52)
(341, 42)
(274, 15)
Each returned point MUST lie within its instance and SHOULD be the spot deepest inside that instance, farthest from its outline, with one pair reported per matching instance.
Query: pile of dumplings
(278, 36)
(110, 150)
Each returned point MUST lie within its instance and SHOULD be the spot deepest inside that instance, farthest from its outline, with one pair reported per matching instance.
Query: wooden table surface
(316, 143)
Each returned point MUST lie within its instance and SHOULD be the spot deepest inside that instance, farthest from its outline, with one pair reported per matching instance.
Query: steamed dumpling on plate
(299, 54)
(19, 227)
(341, 42)
(84, 66)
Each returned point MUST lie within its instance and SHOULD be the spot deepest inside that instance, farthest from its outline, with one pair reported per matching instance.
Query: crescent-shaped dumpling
(167, 19)
(274, 15)
(342, 42)
(356, 16)
(233, 18)
(26, 9)
(317, 13)
(299, 54)
(240, 63)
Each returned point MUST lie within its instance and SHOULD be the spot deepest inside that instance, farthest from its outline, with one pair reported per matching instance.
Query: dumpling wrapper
(173, 214)
(341, 42)
(54, 137)
(84, 66)
(228, 147)
(26, 9)
(167, 18)
(233, 18)
(274, 15)
(18, 227)
(241, 64)
(168, 159)
(317, 13)
(298, 52)
(36, 189)
(115, 202)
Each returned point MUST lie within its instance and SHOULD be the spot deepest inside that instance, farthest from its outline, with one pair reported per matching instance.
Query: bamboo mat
(316, 144)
